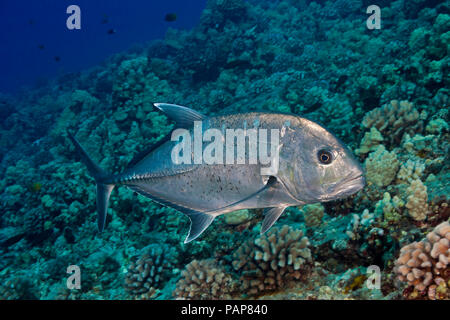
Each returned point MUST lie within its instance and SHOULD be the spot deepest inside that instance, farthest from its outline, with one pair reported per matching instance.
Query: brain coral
(381, 166)
(394, 119)
(424, 264)
(273, 260)
(148, 271)
(204, 279)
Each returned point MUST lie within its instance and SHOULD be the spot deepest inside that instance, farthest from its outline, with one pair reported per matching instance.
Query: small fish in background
(170, 17)
(112, 31)
(105, 19)
(41, 46)
(31, 22)
(57, 58)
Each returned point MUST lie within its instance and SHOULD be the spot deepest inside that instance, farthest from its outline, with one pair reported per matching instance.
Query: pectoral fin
(271, 216)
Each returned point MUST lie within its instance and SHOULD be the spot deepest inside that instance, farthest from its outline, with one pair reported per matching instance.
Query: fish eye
(324, 156)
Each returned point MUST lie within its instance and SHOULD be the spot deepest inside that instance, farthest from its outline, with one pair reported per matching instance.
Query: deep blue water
(25, 26)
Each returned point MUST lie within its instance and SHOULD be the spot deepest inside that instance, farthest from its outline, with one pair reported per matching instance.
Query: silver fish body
(204, 191)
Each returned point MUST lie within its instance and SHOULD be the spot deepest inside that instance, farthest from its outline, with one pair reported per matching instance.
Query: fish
(170, 17)
(311, 165)
(111, 31)
(105, 19)
(41, 46)
(57, 58)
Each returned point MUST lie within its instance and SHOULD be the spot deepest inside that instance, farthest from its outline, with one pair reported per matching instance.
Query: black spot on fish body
(170, 17)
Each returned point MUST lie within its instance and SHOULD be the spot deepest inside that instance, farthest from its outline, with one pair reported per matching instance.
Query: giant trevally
(308, 165)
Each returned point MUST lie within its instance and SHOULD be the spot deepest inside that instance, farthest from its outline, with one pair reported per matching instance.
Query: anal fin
(271, 216)
(199, 221)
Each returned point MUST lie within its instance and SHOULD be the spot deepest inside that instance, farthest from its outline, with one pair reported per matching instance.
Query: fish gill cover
(384, 92)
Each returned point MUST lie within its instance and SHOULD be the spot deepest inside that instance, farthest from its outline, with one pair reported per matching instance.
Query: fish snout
(354, 183)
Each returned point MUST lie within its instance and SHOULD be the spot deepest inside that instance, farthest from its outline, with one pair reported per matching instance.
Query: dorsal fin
(141, 155)
(183, 116)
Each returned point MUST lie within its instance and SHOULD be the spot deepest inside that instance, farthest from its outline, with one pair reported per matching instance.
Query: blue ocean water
(359, 209)
(33, 33)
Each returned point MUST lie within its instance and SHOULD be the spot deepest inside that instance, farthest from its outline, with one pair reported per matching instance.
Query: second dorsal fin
(183, 116)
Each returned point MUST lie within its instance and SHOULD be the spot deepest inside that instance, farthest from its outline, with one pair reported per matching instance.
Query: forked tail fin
(101, 178)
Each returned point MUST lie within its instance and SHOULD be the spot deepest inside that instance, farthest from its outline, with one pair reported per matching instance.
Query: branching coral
(389, 208)
(410, 171)
(272, 261)
(424, 264)
(417, 203)
(394, 119)
(381, 166)
(204, 279)
(370, 141)
(149, 271)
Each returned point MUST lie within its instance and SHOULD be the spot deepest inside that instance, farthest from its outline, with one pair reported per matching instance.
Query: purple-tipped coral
(204, 279)
(424, 264)
(273, 260)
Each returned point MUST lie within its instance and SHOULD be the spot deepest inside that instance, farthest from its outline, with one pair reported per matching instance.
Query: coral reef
(148, 272)
(381, 166)
(18, 289)
(417, 203)
(424, 264)
(204, 279)
(313, 214)
(272, 261)
(394, 119)
(384, 94)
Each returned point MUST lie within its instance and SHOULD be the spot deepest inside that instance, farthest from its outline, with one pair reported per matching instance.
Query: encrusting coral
(204, 279)
(424, 264)
(273, 260)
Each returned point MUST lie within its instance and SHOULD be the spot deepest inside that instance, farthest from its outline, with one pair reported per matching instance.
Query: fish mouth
(354, 184)
(346, 188)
